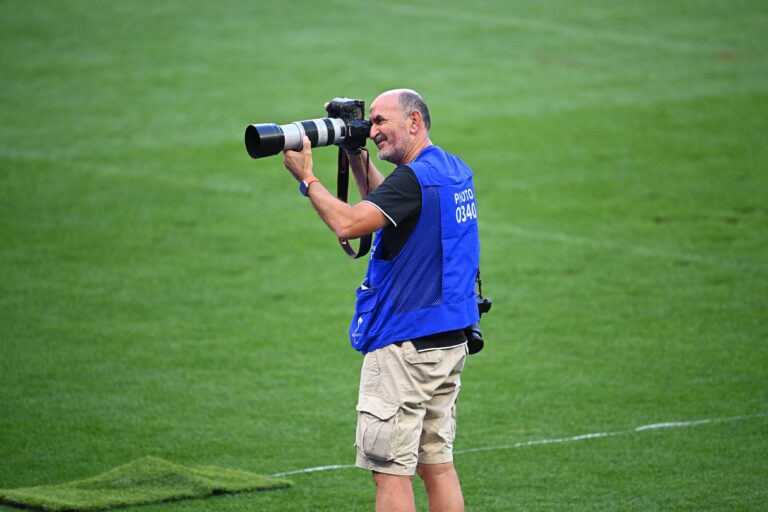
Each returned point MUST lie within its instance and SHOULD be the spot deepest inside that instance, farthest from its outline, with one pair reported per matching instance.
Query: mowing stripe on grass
(532, 24)
(635, 249)
(558, 440)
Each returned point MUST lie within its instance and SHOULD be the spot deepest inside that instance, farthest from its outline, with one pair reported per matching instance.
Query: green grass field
(162, 294)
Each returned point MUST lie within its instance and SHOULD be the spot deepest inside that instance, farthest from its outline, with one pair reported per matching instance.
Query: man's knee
(430, 471)
(385, 479)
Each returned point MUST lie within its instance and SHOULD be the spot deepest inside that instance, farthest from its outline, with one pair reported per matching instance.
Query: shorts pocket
(376, 427)
(413, 356)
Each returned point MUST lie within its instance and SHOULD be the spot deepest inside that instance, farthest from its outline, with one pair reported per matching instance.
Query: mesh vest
(429, 287)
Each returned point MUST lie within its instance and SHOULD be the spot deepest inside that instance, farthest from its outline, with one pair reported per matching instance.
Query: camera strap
(342, 192)
(479, 283)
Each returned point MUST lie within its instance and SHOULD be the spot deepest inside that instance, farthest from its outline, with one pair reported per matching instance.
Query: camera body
(345, 126)
(352, 112)
(474, 336)
(345, 108)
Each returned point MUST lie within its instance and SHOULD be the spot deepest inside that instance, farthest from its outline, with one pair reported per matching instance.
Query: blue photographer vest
(429, 287)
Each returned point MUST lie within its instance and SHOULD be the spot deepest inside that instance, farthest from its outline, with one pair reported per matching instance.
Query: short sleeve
(398, 196)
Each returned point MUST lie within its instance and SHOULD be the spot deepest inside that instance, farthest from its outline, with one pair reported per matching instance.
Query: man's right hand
(299, 163)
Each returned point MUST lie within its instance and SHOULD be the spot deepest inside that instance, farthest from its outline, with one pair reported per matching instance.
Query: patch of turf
(143, 481)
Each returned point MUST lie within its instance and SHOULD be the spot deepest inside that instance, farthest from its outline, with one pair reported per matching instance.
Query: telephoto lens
(268, 139)
(344, 124)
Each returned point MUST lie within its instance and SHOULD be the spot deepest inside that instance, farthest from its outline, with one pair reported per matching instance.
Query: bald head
(399, 125)
(409, 101)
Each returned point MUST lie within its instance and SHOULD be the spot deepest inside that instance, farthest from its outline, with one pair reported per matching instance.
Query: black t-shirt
(399, 199)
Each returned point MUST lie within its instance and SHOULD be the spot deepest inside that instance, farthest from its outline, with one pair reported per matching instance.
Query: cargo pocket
(376, 427)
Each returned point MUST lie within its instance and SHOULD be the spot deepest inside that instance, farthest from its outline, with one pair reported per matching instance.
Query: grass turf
(143, 481)
(161, 294)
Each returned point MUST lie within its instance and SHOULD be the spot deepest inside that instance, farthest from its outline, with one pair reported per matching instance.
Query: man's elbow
(347, 231)
(361, 220)
(353, 227)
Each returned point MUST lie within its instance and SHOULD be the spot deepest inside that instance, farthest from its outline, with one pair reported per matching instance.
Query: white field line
(314, 470)
(596, 435)
(538, 442)
(558, 440)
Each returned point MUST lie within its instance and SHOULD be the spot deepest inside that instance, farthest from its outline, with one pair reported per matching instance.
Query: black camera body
(345, 126)
(474, 336)
(352, 112)
(345, 108)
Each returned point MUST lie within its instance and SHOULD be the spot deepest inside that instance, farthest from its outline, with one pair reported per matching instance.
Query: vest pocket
(376, 427)
(361, 322)
(366, 299)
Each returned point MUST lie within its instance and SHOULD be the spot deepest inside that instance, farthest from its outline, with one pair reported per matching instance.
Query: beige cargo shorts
(407, 407)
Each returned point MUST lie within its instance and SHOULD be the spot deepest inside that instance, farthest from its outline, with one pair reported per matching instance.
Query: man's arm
(345, 220)
(366, 183)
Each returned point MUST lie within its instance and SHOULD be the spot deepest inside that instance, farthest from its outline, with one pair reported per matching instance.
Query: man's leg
(442, 485)
(394, 493)
(435, 464)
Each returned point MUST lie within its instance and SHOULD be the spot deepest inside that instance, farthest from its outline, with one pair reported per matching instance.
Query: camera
(345, 126)
(475, 341)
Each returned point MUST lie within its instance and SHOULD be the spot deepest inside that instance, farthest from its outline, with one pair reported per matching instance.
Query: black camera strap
(342, 192)
(479, 283)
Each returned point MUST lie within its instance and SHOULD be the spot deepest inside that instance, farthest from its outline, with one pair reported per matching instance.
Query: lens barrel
(263, 140)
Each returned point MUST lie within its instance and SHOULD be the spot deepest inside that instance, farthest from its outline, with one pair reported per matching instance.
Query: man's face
(389, 128)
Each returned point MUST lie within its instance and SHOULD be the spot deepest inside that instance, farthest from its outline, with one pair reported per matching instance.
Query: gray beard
(393, 156)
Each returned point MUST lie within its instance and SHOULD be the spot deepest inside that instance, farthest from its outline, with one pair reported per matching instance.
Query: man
(416, 300)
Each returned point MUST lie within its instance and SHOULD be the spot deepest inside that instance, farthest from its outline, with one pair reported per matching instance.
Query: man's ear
(415, 121)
